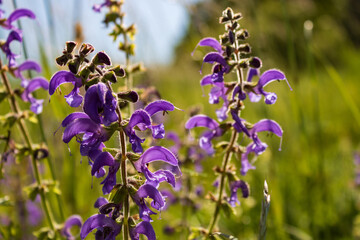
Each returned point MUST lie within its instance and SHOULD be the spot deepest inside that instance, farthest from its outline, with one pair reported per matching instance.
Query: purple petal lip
(63, 77)
(100, 201)
(35, 84)
(268, 77)
(156, 153)
(18, 13)
(201, 121)
(100, 221)
(81, 125)
(139, 116)
(103, 159)
(267, 125)
(72, 116)
(27, 65)
(215, 57)
(159, 105)
(74, 220)
(143, 228)
(210, 42)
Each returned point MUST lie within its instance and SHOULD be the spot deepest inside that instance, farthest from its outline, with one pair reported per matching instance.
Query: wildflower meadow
(182, 119)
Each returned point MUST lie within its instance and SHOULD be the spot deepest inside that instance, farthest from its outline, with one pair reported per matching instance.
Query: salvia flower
(107, 227)
(100, 104)
(148, 191)
(26, 66)
(13, 36)
(74, 99)
(142, 228)
(234, 186)
(74, 220)
(15, 15)
(158, 153)
(33, 85)
(207, 136)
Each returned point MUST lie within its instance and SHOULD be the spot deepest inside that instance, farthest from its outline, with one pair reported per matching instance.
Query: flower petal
(100, 201)
(63, 77)
(103, 159)
(18, 13)
(215, 57)
(210, 42)
(73, 116)
(156, 153)
(81, 125)
(100, 221)
(139, 116)
(201, 121)
(74, 220)
(267, 125)
(159, 105)
(143, 228)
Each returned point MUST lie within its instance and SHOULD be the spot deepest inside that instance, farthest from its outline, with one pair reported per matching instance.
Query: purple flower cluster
(232, 55)
(29, 85)
(93, 127)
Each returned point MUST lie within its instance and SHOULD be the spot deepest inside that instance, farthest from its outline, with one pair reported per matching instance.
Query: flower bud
(86, 49)
(70, 46)
(242, 34)
(223, 20)
(110, 76)
(119, 71)
(229, 50)
(228, 12)
(237, 16)
(130, 96)
(62, 60)
(224, 39)
(74, 65)
(255, 62)
(231, 37)
(244, 48)
(101, 58)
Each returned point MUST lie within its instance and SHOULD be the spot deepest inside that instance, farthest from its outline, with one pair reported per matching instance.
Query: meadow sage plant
(231, 55)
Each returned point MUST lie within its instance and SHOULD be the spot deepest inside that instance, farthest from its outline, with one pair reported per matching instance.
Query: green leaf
(8, 120)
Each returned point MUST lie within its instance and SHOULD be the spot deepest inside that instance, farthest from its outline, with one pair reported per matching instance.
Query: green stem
(226, 159)
(41, 125)
(25, 134)
(122, 139)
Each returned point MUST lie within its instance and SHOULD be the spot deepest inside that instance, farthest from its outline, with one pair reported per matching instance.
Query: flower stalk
(15, 108)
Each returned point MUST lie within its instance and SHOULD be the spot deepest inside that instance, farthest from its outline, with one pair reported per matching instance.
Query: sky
(161, 24)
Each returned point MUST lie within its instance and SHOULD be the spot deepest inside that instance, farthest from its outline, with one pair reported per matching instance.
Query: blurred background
(312, 181)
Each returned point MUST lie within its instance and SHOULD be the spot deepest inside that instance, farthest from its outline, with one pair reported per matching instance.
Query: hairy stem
(27, 139)
(226, 159)
(122, 139)
(41, 126)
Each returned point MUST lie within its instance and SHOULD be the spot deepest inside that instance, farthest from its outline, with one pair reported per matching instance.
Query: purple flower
(210, 42)
(15, 15)
(152, 108)
(100, 201)
(234, 186)
(93, 135)
(98, 7)
(25, 66)
(107, 228)
(34, 84)
(100, 104)
(142, 228)
(73, 98)
(266, 78)
(258, 147)
(34, 213)
(222, 66)
(74, 220)
(207, 136)
(150, 191)
(13, 36)
(141, 119)
(158, 153)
